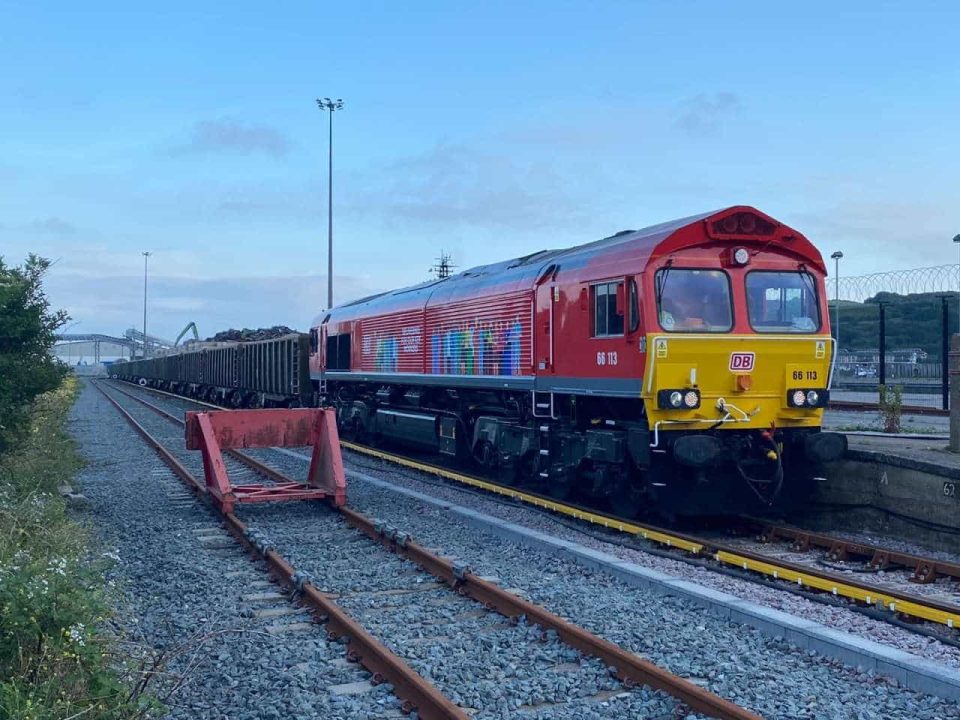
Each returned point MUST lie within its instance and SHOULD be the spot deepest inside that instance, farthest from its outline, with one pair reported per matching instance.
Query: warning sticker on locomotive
(742, 361)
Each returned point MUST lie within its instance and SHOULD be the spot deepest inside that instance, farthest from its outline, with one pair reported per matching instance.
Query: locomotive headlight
(799, 397)
(741, 256)
(678, 399)
(813, 398)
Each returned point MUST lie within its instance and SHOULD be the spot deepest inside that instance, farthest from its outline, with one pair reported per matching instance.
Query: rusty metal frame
(905, 409)
(209, 431)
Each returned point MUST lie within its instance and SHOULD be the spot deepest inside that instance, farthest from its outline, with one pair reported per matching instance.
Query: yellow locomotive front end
(737, 376)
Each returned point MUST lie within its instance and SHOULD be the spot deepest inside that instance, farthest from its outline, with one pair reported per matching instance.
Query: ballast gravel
(767, 675)
(836, 617)
(184, 598)
(478, 659)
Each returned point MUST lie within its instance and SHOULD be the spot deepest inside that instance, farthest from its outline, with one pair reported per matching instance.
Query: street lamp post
(331, 106)
(836, 294)
(146, 256)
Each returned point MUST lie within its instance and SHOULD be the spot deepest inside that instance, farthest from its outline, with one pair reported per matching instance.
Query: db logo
(742, 361)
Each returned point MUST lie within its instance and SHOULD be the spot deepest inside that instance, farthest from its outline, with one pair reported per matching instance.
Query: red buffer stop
(219, 430)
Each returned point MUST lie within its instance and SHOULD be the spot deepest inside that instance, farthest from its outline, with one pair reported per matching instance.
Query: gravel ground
(473, 656)
(836, 617)
(183, 583)
(768, 675)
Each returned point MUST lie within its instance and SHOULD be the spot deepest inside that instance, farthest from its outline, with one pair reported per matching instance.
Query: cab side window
(607, 316)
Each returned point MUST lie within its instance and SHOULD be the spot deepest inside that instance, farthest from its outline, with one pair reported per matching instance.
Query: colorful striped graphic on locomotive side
(493, 340)
(392, 343)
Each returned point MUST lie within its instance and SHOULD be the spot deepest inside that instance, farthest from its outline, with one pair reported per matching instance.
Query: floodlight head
(956, 238)
(837, 255)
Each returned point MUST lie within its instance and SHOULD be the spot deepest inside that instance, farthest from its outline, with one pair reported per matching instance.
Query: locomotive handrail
(833, 361)
(712, 421)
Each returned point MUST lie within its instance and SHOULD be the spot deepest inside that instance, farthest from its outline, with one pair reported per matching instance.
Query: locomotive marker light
(813, 397)
(799, 398)
(741, 256)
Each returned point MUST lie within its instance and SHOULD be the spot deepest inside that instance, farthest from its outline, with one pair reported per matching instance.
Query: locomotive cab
(739, 367)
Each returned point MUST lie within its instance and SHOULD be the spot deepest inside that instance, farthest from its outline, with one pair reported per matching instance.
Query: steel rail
(925, 570)
(896, 601)
(630, 668)
(416, 692)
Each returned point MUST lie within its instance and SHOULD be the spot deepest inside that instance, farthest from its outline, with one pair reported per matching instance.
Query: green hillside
(913, 321)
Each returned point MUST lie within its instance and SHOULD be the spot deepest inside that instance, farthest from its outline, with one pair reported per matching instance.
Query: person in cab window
(692, 303)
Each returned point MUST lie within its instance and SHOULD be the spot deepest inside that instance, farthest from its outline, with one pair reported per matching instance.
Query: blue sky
(488, 129)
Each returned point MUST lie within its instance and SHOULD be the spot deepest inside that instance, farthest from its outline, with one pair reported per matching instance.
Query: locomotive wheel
(560, 486)
(485, 454)
(352, 430)
(625, 499)
(527, 468)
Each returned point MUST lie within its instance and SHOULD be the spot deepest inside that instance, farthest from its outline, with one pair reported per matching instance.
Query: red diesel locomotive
(682, 368)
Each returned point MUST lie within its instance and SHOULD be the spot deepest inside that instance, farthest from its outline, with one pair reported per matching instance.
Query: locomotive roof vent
(743, 224)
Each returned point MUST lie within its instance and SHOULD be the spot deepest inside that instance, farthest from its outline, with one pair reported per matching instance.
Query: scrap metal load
(248, 335)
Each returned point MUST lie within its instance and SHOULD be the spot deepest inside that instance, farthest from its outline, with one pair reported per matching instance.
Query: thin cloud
(53, 226)
(458, 185)
(228, 136)
(213, 303)
(704, 114)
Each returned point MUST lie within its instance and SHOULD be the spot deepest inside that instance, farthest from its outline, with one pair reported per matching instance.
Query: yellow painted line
(577, 513)
(870, 597)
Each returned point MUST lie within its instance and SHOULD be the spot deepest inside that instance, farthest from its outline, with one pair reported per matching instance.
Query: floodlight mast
(331, 106)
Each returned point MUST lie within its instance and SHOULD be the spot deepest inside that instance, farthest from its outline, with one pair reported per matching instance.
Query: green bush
(27, 334)
(891, 406)
(55, 660)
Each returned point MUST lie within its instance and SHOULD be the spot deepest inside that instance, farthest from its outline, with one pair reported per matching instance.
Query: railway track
(379, 578)
(923, 602)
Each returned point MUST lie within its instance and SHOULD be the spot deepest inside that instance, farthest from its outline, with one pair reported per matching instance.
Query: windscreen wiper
(662, 281)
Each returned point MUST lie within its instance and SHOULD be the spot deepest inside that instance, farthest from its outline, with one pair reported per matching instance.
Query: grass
(56, 661)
